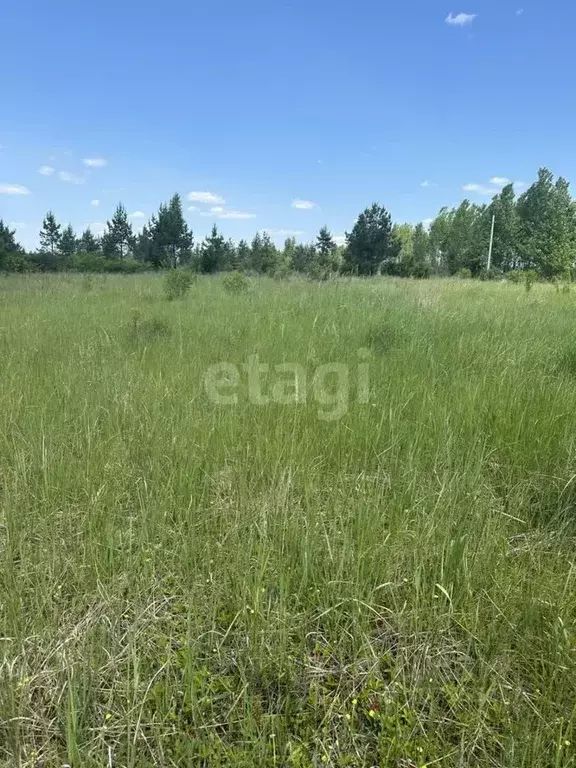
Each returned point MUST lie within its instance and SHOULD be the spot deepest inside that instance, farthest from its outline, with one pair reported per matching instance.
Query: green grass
(186, 584)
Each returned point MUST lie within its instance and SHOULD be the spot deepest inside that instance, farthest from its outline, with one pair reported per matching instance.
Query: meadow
(189, 583)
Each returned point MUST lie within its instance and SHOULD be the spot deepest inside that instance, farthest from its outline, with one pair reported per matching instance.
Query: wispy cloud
(500, 181)
(207, 198)
(283, 232)
(520, 184)
(427, 222)
(193, 208)
(232, 214)
(426, 184)
(460, 19)
(95, 162)
(46, 170)
(520, 11)
(303, 205)
(17, 225)
(339, 239)
(13, 189)
(71, 178)
(138, 215)
(97, 227)
(95, 203)
(216, 209)
(480, 189)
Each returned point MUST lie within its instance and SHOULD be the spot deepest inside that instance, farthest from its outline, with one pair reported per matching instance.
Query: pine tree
(50, 234)
(11, 252)
(213, 252)
(304, 258)
(264, 254)
(325, 253)
(88, 243)
(68, 244)
(118, 239)
(243, 256)
(371, 243)
(143, 248)
(172, 241)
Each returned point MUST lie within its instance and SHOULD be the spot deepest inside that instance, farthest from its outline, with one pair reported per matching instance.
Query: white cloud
(224, 214)
(97, 227)
(236, 215)
(46, 170)
(206, 198)
(95, 162)
(426, 183)
(427, 222)
(95, 203)
(192, 207)
(17, 224)
(138, 215)
(461, 19)
(13, 189)
(283, 232)
(520, 11)
(480, 189)
(500, 181)
(303, 205)
(340, 239)
(71, 178)
(520, 184)
(216, 209)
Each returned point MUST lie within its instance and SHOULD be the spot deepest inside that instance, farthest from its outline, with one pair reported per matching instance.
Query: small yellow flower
(566, 743)
(108, 716)
(348, 717)
(372, 713)
(354, 702)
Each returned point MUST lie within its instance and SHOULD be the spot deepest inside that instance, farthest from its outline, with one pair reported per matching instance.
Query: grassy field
(379, 575)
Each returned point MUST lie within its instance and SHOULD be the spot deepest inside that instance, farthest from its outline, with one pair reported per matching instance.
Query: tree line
(533, 232)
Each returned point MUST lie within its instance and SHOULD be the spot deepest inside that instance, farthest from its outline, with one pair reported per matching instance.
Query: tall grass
(183, 583)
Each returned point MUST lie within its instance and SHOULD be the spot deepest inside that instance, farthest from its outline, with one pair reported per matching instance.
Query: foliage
(50, 234)
(11, 253)
(68, 243)
(535, 231)
(118, 240)
(214, 252)
(235, 282)
(167, 242)
(372, 243)
(177, 283)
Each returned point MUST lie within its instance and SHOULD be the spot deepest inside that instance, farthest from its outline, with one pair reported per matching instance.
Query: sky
(275, 115)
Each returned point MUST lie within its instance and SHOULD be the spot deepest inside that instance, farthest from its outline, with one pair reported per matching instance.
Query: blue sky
(264, 102)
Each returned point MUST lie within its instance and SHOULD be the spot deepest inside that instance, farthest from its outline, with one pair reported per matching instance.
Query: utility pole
(491, 244)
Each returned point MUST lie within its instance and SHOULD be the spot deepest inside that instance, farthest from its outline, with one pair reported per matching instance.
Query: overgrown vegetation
(535, 232)
(185, 583)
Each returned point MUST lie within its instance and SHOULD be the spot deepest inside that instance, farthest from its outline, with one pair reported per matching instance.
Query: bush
(464, 273)
(235, 282)
(177, 283)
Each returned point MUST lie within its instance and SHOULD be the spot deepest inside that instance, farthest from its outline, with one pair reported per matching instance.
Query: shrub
(530, 277)
(235, 282)
(177, 283)
(464, 273)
